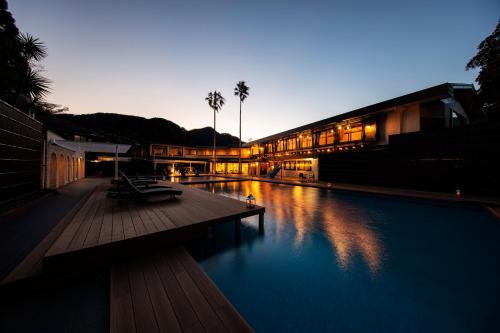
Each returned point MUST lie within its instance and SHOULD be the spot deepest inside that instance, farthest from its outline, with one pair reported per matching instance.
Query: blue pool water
(356, 263)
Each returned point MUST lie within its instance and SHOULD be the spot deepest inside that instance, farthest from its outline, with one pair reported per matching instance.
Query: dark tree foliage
(487, 60)
(21, 81)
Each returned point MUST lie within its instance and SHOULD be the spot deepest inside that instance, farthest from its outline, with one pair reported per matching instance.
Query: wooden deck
(104, 227)
(168, 292)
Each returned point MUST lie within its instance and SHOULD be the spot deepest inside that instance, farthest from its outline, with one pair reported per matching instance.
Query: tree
(215, 101)
(21, 81)
(241, 91)
(487, 60)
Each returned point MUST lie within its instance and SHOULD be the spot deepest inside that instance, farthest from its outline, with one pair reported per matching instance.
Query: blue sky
(303, 60)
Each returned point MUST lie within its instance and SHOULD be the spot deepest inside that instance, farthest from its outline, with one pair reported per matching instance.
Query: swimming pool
(356, 263)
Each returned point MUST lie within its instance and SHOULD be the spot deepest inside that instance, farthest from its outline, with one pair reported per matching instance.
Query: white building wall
(58, 172)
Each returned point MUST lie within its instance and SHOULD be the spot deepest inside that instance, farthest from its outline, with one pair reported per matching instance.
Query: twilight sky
(303, 60)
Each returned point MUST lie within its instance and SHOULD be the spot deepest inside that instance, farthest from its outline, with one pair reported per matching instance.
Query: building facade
(298, 153)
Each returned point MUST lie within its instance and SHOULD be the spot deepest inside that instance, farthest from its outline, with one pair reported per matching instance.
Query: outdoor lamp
(250, 201)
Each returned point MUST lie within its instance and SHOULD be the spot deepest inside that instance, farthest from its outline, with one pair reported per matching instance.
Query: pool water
(356, 263)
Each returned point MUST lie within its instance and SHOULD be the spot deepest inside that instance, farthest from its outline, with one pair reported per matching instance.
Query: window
(330, 137)
(305, 141)
(370, 131)
(356, 133)
(289, 165)
(292, 144)
(304, 165)
(281, 145)
(322, 138)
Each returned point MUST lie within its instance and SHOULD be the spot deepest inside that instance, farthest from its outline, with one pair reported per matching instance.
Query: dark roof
(439, 91)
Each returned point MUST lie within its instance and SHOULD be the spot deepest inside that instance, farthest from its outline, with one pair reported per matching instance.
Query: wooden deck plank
(146, 220)
(145, 320)
(95, 229)
(63, 241)
(173, 293)
(117, 233)
(231, 318)
(121, 311)
(163, 310)
(107, 228)
(184, 312)
(128, 225)
(208, 318)
(107, 223)
(139, 227)
(82, 232)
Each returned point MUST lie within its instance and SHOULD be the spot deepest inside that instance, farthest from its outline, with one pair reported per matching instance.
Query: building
(301, 152)
(171, 159)
(62, 163)
(65, 160)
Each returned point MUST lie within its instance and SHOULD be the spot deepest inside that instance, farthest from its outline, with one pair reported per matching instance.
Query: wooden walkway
(168, 292)
(105, 227)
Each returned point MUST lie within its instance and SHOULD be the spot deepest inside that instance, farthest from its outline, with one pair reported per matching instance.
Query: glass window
(330, 137)
(292, 144)
(305, 141)
(304, 165)
(370, 131)
(356, 133)
(322, 140)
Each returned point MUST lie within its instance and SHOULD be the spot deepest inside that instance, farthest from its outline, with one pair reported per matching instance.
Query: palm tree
(32, 48)
(215, 101)
(241, 90)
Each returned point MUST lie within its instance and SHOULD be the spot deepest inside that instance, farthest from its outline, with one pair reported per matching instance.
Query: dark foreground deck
(168, 292)
(156, 286)
(105, 228)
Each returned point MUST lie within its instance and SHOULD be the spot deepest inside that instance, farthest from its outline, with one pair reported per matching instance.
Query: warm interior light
(331, 131)
(340, 127)
(348, 127)
(368, 127)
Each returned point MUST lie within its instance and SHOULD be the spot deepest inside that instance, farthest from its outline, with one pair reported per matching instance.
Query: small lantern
(250, 201)
(458, 192)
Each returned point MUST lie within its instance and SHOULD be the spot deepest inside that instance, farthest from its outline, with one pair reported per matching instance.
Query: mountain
(113, 127)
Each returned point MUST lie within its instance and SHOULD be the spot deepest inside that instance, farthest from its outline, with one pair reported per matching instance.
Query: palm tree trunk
(239, 156)
(213, 152)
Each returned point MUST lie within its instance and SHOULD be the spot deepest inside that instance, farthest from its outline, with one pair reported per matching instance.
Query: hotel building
(306, 152)
(303, 152)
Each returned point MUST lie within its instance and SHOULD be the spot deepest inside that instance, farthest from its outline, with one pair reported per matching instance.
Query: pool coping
(491, 203)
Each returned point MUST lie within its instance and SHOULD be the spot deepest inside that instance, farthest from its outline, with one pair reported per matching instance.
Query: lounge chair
(134, 190)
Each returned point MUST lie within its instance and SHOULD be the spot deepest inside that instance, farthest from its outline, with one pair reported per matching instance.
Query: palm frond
(32, 47)
(35, 84)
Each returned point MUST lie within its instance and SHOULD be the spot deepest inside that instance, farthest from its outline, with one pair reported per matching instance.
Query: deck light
(340, 127)
(348, 127)
(250, 201)
(331, 131)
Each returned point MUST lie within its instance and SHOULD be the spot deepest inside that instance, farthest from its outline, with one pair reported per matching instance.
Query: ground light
(250, 201)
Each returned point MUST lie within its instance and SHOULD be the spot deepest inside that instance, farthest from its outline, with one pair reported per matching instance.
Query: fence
(20, 153)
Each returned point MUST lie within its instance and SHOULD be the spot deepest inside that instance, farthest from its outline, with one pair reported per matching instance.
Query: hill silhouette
(113, 127)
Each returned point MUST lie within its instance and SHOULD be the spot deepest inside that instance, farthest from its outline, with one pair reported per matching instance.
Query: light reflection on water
(342, 262)
(348, 228)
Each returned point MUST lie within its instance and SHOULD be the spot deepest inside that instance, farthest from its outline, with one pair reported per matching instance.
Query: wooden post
(261, 223)
(237, 231)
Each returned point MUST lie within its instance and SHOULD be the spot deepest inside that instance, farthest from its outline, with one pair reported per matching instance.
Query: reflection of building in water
(349, 234)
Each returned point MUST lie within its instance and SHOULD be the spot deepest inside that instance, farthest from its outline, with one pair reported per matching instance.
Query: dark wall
(467, 158)
(20, 153)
